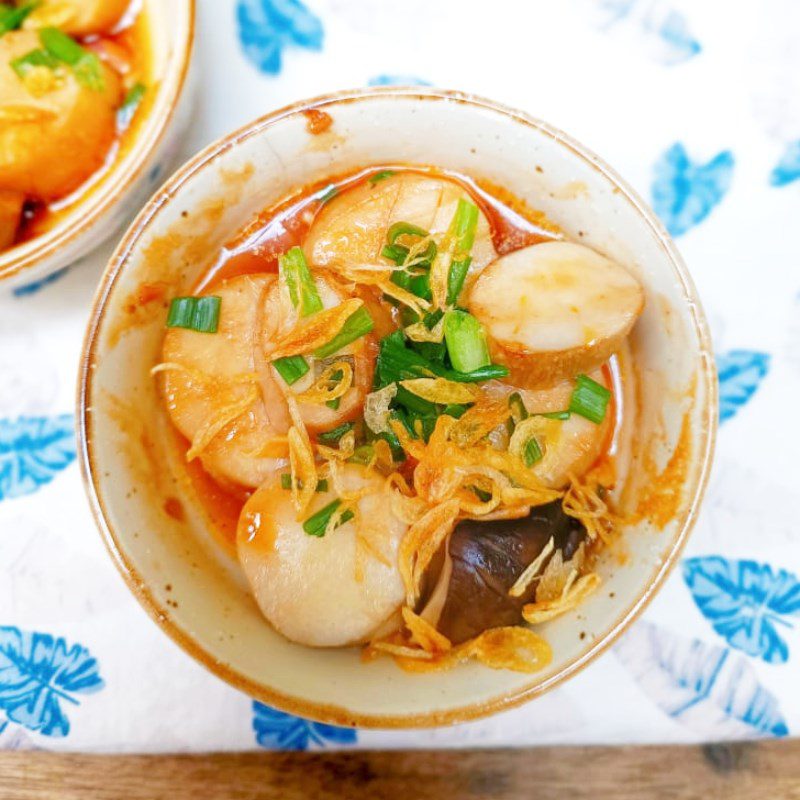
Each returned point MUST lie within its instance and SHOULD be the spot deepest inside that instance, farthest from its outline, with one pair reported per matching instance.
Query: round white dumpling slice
(351, 229)
(555, 309)
(328, 591)
(54, 130)
(208, 376)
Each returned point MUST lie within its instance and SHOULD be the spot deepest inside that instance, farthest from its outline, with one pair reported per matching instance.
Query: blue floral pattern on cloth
(684, 193)
(266, 27)
(36, 286)
(740, 373)
(276, 729)
(708, 689)
(32, 451)
(397, 80)
(746, 603)
(664, 28)
(38, 673)
(787, 169)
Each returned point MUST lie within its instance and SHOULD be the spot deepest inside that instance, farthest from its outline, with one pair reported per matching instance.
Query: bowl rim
(332, 713)
(123, 172)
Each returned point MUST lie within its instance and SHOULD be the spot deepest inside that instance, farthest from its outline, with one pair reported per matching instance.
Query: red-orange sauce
(256, 249)
(127, 50)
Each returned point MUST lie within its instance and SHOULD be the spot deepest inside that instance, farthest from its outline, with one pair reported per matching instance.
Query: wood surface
(768, 770)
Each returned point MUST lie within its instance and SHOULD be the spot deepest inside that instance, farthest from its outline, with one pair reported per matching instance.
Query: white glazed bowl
(196, 592)
(135, 173)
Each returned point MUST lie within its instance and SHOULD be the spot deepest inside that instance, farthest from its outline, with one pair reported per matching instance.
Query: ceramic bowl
(136, 480)
(136, 170)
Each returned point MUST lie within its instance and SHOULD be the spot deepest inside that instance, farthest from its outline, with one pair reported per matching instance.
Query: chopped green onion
(300, 282)
(419, 285)
(12, 17)
(517, 406)
(132, 101)
(555, 414)
(418, 405)
(84, 63)
(399, 229)
(532, 452)
(334, 404)
(315, 525)
(589, 399)
(199, 314)
(395, 252)
(332, 436)
(466, 341)
(286, 483)
(291, 368)
(363, 454)
(396, 362)
(328, 193)
(358, 324)
(398, 454)
(483, 496)
(36, 58)
(462, 231)
(455, 410)
(381, 176)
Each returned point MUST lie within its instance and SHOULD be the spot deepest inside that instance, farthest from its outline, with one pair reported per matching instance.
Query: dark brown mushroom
(483, 561)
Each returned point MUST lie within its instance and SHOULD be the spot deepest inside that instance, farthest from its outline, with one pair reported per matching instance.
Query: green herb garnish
(291, 368)
(127, 111)
(358, 324)
(12, 17)
(85, 64)
(589, 399)
(381, 176)
(286, 483)
(466, 341)
(462, 233)
(199, 314)
(332, 436)
(532, 452)
(315, 525)
(303, 293)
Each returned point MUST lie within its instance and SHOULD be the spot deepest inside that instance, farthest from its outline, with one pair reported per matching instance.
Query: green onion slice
(555, 415)
(396, 253)
(12, 17)
(532, 452)
(381, 176)
(466, 341)
(462, 232)
(286, 483)
(127, 111)
(36, 58)
(84, 63)
(199, 314)
(291, 368)
(332, 436)
(315, 525)
(399, 229)
(358, 324)
(300, 282)
(517, 406)
(589, 399)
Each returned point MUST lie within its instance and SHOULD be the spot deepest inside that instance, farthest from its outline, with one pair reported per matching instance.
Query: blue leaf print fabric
(664, 29)
(32, 451)
(39, 673)
(267, 26)
(787, 169)
(276, 729)
(709, 689)
(746, 603)
(684, 193)
(37, 286)
(740, 372)
(397, 80)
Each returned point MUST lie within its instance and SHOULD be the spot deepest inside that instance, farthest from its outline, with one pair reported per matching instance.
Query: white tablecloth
(698, 105)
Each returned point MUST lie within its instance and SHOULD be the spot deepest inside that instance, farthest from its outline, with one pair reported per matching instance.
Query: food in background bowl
(73, 74)
(407, 387)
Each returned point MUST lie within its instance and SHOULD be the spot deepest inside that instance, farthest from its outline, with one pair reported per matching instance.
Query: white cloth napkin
(698, 105)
